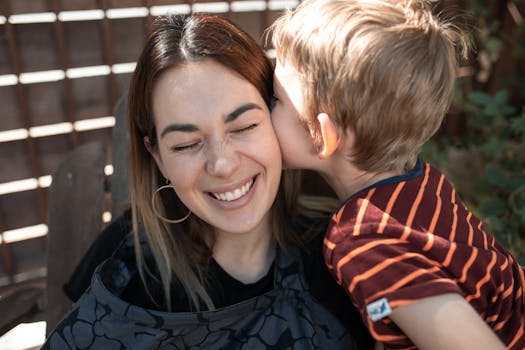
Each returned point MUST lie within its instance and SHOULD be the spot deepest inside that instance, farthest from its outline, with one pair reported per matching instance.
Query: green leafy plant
(486, 159)
(487, 165)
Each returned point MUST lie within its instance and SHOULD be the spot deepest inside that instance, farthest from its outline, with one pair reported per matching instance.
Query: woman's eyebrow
(192, 127)
(240, 110)
(179, 127)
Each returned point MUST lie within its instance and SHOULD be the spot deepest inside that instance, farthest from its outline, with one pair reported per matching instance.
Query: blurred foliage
(485, 156)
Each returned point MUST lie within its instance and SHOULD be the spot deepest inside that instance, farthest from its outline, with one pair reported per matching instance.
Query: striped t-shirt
(411, 237)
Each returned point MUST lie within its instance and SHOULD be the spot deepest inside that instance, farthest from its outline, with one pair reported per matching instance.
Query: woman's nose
(222, 160)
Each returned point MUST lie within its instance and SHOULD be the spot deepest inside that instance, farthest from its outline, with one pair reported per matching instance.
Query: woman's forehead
(203, 88)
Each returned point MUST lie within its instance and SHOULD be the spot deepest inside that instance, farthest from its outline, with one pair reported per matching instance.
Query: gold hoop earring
(155, 211)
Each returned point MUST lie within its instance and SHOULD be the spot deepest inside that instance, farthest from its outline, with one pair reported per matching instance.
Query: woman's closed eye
(245, 129)
(189, 146)
(185, 147)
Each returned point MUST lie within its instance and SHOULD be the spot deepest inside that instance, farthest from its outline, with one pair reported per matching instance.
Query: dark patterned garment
(285, 317)
(411, 237)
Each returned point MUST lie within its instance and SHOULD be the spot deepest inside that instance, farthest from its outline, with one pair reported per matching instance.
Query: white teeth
(236, 194)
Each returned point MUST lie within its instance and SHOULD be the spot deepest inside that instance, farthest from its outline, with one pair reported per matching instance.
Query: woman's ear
(329, 136)
(155, 154)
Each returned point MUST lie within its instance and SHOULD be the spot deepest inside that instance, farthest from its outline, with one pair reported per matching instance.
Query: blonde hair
(383, 69)
(182, 251)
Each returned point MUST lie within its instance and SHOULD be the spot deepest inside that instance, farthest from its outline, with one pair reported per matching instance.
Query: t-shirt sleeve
(381, 273)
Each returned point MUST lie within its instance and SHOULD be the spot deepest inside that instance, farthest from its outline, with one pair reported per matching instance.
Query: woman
(214, 262)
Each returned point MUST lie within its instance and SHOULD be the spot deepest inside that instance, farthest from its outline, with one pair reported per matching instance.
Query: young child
(360, 86)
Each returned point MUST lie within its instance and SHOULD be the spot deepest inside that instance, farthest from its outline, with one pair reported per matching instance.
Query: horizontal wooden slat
(13, 156)
(20, 209)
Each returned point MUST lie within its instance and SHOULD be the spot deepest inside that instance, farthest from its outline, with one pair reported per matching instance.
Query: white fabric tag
(378, 309)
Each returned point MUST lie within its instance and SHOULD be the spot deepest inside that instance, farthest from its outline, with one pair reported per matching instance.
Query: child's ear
(155, 154)
(329, 136)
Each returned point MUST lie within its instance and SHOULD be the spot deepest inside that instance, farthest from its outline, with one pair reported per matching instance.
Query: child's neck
(350, 180)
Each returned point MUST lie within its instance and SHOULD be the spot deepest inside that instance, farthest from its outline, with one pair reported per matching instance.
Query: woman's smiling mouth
(235, 194)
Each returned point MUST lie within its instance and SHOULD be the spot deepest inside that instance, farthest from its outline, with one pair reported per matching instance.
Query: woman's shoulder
(114, 247)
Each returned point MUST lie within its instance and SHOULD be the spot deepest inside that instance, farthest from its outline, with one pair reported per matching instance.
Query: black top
(223, 289)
